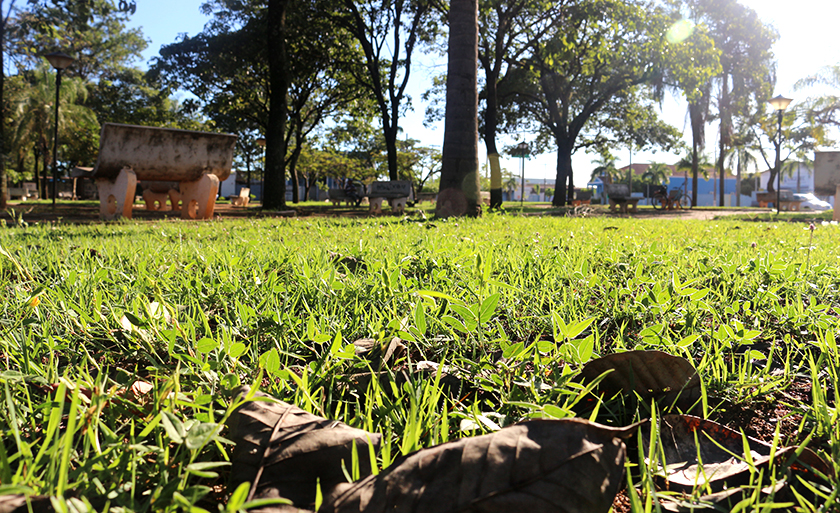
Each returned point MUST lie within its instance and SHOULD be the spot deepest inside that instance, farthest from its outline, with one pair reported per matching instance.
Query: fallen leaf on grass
(650, 374)
(285, 451)
(376, 351)
(18, 503)
(536, 466)
(686, 441)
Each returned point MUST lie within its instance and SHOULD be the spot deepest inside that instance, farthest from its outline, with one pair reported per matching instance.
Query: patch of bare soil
(759, 418)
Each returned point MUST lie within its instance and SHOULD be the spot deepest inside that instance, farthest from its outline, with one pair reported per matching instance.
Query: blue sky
(807, 42)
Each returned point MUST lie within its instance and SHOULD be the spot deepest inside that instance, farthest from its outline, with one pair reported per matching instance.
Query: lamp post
(779, 103)
(261, 142)
(522, 153)
(59, 61)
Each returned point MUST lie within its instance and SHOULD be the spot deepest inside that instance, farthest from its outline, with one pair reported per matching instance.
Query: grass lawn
(121, 344)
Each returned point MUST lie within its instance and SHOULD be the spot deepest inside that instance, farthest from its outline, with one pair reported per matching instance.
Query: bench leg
(612, 205)
(398, 204)
(175, 200)
(116, 197)
(634, 206)
(199, 197)
(154, 200)
(375, 205)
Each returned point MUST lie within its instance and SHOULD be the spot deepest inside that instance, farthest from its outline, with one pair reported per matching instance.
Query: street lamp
(59, 61)
(779, 103)
(261, 142)
(522, 153)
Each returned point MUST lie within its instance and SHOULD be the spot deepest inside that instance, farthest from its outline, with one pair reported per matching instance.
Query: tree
(823, 109)
(741, 157)
(745, 45)
(274, 195)
(801, 136)
(605, 167)
(587, 75)
(503, 38)
(657, 173)
(4, 191)
(692, 64)
(94, 32)
(128, 95)
(225, 67)
(35, 114)
(459, 176)
(388, 33)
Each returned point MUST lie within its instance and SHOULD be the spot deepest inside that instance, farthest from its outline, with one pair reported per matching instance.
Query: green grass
(195, 309)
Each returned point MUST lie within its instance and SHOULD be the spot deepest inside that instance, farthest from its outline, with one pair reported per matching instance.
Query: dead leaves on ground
(285, 451)
(568, 465)
(538, 466)
(703, 455)
(671, 380)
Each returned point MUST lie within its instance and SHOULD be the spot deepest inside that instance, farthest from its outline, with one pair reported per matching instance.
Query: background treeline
(575, 75)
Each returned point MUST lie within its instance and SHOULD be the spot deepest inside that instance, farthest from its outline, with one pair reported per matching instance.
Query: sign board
(826, 172)
(392, 189)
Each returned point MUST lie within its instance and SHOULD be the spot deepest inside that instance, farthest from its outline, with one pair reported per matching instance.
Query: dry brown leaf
(385, 354)
(650, 374)
(536, 466)
(285, 451)
(18, 503)
(721, 451)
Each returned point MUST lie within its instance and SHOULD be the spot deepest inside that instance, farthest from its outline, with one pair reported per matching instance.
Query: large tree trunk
(564, 169)
(695, 114)
(459, 180)
(4, 189)
(725, 135)
(293, 160)
(490, 126)
(391, 145)
(274, 195)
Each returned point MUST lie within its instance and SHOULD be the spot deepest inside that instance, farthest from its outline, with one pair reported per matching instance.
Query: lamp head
(779, 102)
(59, 60)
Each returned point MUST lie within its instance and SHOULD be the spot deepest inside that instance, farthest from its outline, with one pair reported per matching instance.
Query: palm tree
(657, 173)
(35, 112)
(741, 158)
(605, 167)
(823, 109)
(459, 176)
(510, 185)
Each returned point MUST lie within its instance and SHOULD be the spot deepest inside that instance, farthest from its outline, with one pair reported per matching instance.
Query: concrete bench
(196, 161)
(22, 193)
(242, 199)
(397, 192)
(619, 194)
(337, 195)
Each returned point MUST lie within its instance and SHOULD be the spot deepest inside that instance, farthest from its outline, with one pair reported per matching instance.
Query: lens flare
(679, 31)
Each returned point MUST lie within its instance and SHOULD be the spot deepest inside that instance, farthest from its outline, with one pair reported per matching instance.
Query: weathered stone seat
(619, 194)
(337, 195)
(242, 199)
(397, 192)
(197, 161)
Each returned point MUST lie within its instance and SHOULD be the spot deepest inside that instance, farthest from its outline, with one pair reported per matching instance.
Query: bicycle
(670, 200)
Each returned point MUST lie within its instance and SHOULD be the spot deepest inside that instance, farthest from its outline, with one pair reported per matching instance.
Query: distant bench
(162, 159)
(28, 191)
(397, 192)
(619, 194)
(337, 195)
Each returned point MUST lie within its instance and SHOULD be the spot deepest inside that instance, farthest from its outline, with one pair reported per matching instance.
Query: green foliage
(511, 315)
(93, 32)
